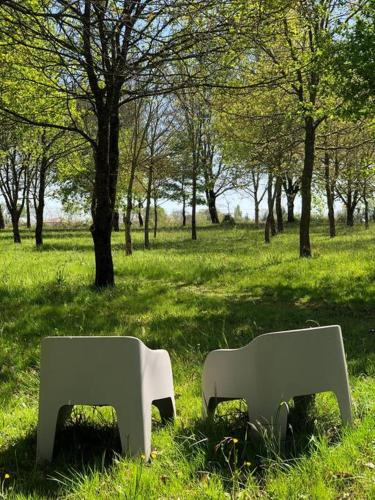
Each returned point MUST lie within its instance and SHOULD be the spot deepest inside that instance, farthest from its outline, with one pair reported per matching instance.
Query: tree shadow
(199, 321)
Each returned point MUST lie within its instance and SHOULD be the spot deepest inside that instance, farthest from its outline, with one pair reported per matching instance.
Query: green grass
(188, 297)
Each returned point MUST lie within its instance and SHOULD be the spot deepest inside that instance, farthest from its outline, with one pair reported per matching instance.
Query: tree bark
(330, 196)
(270, 221)
(39, 205)
(366, 213)
(28, 215)
(128, 224)
(194, 202)
(101, 228)
(308, 167)
(148, 207)
(211, 202)
(129, 208)
(114, 155)
(279, 211)
(256, 214)
(15, 217)
(350, 209)
(155, 216)
(116, 221)
(140, 218)
(106, 156)
(291, 189)
(2, 221)
(291, 217)
(183, 211)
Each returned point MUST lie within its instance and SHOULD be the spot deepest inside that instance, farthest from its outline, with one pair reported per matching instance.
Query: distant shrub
(228, 220)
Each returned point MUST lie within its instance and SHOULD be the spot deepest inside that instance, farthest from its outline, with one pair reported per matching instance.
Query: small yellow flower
(6, 476)
(143, 457)
(234, 440)
(247, 464)
(154, 454)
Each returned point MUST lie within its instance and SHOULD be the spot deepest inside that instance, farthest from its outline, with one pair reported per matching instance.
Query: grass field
(189, 297)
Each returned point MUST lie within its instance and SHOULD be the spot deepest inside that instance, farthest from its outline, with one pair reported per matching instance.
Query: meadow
(189, 298)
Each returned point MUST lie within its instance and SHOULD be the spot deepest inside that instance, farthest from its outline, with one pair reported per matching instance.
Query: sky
(229, 200)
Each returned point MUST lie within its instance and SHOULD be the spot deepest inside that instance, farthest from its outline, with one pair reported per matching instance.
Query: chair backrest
(287, 363)
(74, 364)
(303, 361)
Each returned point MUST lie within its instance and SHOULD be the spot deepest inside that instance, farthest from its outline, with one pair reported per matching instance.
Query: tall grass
(188, 297)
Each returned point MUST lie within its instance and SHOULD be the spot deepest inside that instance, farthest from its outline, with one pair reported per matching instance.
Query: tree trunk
(15, 217)
(128, 212)
(28, 216)
(116, 221)
(128, 224)
(279, 211)
(27, 199)
(290, 201)
(211, 202)
(155, 217)
(308, 167)
(256, 212)
(39, 215)
(273, 224)
(140, 218)
(270, 221)
(101, 228)
(194, 202)
(39, 206)
(291, 189)
(350, 209)
(148, 207)
(2, 221)
(114, 154)
(366, 213)
(183, 211)
(330, 197)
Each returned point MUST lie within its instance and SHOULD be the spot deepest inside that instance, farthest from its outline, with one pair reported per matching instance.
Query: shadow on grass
(196, 322)
(230, 450)
(79, 448)
(233, 449)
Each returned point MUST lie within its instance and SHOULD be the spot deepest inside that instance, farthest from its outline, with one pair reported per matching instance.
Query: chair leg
(209, 405)
(48, 417)
(63, 415)
(166, 407)
(135, 430)
(269, 415)
(345, 405)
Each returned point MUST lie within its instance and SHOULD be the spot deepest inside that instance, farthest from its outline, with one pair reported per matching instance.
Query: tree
(2, 221)
(291, 184)
(346, 152)
(106, 54)
(134, 150)
(193, 114)
(13, 167)
(295, 53)
(353, 64)
(237, 213)
(158, 136)
(53, 147)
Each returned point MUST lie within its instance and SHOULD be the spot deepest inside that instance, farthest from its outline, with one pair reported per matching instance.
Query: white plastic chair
(276, 367)
(115, 371)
